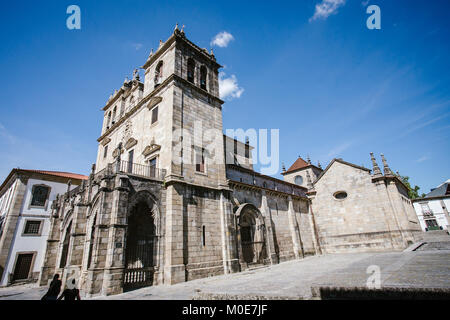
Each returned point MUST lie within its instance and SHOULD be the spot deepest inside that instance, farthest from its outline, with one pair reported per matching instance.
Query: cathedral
(163, 206)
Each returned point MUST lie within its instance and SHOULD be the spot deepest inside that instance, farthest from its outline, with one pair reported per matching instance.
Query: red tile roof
(298, 164)
(67, 175)
(59, 174)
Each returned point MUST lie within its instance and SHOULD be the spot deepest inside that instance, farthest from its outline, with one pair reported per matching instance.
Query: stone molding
(131, 142)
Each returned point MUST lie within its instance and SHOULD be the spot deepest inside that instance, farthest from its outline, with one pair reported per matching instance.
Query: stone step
(414, 246)
(436, 236)
(255, 266)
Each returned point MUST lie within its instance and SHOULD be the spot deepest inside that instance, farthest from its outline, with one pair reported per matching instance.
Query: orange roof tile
(60, 174)
(298, 164)
(67, 175)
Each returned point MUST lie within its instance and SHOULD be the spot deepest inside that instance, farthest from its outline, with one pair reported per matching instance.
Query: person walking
(71, 294)
(54, 289)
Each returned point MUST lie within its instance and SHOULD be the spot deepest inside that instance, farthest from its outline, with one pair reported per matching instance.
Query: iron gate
(139, 265)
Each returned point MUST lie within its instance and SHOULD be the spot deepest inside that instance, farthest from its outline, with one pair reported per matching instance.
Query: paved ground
(294, 279)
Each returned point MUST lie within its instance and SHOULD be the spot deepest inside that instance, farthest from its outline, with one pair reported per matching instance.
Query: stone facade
(161, 205)
(356, 210)
(170, 199)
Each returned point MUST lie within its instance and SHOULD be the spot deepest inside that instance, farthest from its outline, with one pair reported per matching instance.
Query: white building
(26, 198)
(432, 210)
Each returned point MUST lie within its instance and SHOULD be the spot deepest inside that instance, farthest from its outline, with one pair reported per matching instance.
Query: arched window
(158, 73)
(131, 102)
(108, 123)
(114, 115)
(65, 249)
(190, 70)
(203, 75)
(91, 243)
(298, 180)
(39, 195)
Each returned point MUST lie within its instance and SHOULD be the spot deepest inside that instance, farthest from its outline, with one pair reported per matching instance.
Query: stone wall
(285, 216)
(371, 217)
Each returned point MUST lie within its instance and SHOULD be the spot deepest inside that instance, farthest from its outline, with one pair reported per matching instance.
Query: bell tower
(183, 80)
(185, 76)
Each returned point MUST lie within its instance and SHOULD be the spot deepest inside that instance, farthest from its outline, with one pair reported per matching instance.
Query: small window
(247, 151)
(158, 73)
(114, 115)
(40, 195)
(105, 152)
(32, 227)
(130, 161)
(152, 164)
(204, 235)
(154, 115)
(190, 70)
(235, 147)
(298, 180)
(203, 74)
(340, 195)
(200, 161)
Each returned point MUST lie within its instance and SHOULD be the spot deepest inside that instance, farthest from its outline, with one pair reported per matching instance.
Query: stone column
(77, 240)
(385, 205)
(174, 268)
(265, 211)
(230, 260)
(293, 227)
(312, 223)
(49, 266)
(114, 264)
(52, 249)
(94, 274)
(391, 189)
(12, 217)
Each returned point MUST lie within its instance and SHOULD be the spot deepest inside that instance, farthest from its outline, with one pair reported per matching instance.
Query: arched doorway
(141, 245)
(252, 235)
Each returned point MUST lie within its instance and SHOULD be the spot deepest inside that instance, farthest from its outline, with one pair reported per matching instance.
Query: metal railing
(135, 169)
(427, 212)
(141, 170)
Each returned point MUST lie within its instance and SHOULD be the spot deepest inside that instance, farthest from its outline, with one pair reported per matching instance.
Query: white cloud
(4, 133)
(137, 46)
(422, 159)
(222, 39)
(326, 8)
(423, 124)
(339, 149)
(229, 87)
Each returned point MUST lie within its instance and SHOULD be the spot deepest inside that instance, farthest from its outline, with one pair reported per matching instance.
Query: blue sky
(333, 87)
